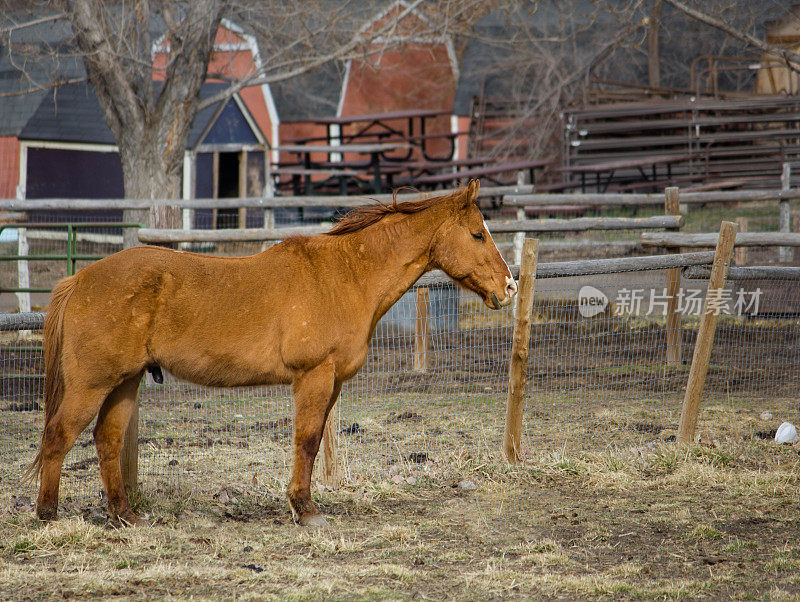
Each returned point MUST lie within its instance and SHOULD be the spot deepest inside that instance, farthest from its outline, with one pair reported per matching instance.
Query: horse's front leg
(315, 392)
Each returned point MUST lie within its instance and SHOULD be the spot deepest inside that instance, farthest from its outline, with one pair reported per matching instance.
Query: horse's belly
(224, 369)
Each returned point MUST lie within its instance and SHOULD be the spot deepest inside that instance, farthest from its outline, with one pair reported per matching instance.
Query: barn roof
(71, 113)
(17, 103)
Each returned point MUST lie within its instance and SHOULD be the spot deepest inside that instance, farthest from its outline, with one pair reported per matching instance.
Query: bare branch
(344, 52)
(791, 59)
(49, 86)
(33, 23)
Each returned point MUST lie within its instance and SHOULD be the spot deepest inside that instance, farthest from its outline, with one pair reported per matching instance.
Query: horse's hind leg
(315, 392)
(74, 414)
(109, 436)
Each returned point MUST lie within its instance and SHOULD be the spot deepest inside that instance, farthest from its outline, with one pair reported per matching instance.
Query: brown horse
(302, 312)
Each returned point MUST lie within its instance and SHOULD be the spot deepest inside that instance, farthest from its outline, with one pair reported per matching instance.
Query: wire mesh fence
(433, 390)
(603, 380)
(48, 246)
(753, 382)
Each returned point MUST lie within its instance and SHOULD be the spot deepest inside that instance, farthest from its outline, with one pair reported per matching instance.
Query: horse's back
(215, 320)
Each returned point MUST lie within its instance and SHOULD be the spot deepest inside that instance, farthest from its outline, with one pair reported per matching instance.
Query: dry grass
(604, 506)
(648, 522)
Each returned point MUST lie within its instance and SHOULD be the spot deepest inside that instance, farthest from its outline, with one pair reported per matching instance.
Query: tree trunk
(653, 65)
(147, 177)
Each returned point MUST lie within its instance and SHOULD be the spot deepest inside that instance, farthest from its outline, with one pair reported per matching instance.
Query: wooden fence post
(673, 318)
(785, 217)
(328, 475)
(159, 216)
(421, 331)
(268, 192)
(520, 345)
(519, 237)
(796, 228)
(188, 192)
(705, 334)
(740, 253)
(129, 456)
(214, 187)
(243, 187)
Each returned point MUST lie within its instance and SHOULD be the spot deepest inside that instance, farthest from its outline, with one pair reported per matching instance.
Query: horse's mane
(361, 217)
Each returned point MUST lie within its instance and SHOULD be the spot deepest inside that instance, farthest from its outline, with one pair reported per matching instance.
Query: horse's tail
(53, 376)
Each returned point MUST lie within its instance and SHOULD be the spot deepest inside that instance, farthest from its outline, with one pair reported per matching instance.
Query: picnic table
(337, 169)
(611, 167)
(378, 127)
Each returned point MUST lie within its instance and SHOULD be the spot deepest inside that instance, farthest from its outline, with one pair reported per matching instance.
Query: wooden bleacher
(725, 141)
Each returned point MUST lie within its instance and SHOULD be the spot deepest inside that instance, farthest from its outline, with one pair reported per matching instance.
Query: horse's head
(463, 248)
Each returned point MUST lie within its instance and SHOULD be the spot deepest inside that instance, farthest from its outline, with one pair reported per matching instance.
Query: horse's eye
(478, 236)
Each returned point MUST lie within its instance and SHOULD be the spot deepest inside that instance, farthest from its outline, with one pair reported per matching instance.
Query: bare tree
(533, 59)
(538, 58)
(151, 120)
(151, 128)
(703, 16)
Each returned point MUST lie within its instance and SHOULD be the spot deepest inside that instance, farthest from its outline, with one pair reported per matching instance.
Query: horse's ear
(471, 195)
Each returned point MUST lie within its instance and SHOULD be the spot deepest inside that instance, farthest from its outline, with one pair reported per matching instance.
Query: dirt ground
(661, 522)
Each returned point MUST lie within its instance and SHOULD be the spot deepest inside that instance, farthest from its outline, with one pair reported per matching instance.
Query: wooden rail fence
(513, 196)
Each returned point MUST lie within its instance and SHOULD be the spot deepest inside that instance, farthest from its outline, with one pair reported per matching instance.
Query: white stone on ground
(787, 433)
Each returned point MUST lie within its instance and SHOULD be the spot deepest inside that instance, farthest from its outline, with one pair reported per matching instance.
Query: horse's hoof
(313, 520)
(47, 514)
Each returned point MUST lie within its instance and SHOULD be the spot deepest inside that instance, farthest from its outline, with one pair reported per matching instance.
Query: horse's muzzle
(496, 301)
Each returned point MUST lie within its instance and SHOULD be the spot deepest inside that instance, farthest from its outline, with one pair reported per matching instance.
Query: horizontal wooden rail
(610, 247)
(767, 272)
(152, 235)
(600, 199)
(743, 239)
(586, 267)
(34, 320)
(156, 235)
(621, 199)
(512, 196)
(579, 224)
(254, 202)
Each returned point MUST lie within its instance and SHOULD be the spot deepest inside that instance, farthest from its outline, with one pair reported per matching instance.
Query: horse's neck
(396, 253)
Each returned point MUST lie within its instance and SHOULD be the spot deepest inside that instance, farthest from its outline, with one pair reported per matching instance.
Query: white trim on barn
(22, 177)
(77, 146)
(345, 82)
